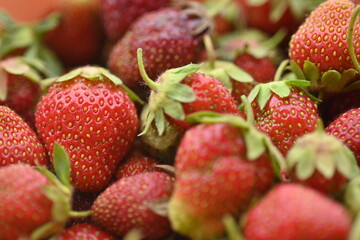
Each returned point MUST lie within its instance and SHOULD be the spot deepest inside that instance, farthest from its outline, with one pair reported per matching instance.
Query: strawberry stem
(209, 46)
(153, 86)
(352, 54)
(232, 228)
(75, 214)
(280, 70)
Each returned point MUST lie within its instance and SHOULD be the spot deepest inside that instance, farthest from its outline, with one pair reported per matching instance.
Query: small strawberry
(169, 37)
(18, 142)
(132, 203)
(347, 128)
(320, 46)
(84, 231)
(88, 111)
(78, 38)
(296, 212)
(283, 111)
(135, 163)
(181, 91)
(322, 162)
(118, 15)
(227, 161)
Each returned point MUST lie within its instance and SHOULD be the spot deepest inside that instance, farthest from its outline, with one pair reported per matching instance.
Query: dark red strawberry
(118, 15)
(20, 87)
(224, 162)
(322, 162)
(283, 111)
(133, 202)
(347, 128)
(78, 38)
(32, 207)
(85, 231)
(89, 113)
(135, 163)
(169, 37)
(18, 142)
(296, 212)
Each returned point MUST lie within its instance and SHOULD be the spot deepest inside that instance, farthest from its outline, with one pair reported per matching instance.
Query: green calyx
(352, 195)
(167, 94)
(60, 193)
(322, 152)
(256, 142)
(94, 73)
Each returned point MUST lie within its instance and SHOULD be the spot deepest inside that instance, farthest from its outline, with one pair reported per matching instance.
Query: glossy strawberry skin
(316, 216)
(24, 207)
(347, 128)
(18, 142)
(166, 37)
(120, 14)
(85, 231)
(94, 121)
(322, 38)
(126, 205)
(286, 119)
(211, 95)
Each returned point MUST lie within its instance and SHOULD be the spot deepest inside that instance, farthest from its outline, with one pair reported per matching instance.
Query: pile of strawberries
(161, 119)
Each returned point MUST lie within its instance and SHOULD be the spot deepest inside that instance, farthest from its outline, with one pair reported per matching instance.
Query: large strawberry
(181, 91)
(320, 47)
(135, 203)
(88, 112)
(18, 142)
(85, 231)
(120, 14)
(220, 167)
(347, 128)
(169, 37)
(283, 111)
(294, 212)
(78, 38)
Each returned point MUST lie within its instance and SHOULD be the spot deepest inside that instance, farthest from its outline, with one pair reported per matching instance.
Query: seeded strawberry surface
(85, 231)
(95, 121)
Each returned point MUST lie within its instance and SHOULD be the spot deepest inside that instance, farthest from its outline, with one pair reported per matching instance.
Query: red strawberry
(181, 91)
(85, 231)
(129, 204)
(19, 87)
(18, 142)
(135, 163)
(322, 162)
(78, 38)
(347, 128)
(296, 212)
(225, 162)
(118, 15)
(31, 206)
(321, 45)
(283, 111)
(168, 38)
(92, 117)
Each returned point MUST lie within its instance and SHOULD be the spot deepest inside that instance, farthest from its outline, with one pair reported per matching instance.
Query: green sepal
(52, 62)
(255, 3)
(174, 109)
(21, 66)
(352, 195)
(254, 143)
(354, 233)
(3, 85)
(330, 79)
(61, 164)
(278, 8)
(159, 118)
(181, 93)
(232, 228)
(19, 38)
(295, 68)
(311, 72)
(49, 23)
(353, 86)
(148, 119)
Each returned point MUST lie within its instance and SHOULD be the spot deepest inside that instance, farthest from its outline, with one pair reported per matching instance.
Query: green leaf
(51, 22)
(330, 79)
(280, 88)
(346, 162)
(297, 70)
(3, 85)
(181, 93)
(326, 166)
(148, 121)
(255, 3)
(20, 38)
(278, 8)
(311, 71)
(347, 76)
(254, 144)
(254, 93)
(61, 164)
(116, 80)
(238, 74)
(352, 86)
(298, 83)
(174, 110)
(264, 96)
(305, 166)
(160, 121)
(70, 75)
(176, 75)
(51, 61)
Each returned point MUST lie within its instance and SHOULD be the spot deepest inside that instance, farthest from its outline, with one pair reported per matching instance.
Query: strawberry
(347, 128)
(227, 161)
(320, 46)
(181, 91)
(135, 163)
(120, 14)
(89, 113)
(132, 203)
(18, 142)
(85, 231)
(294, 212)
(20, 87)
(169, 38)
(283, 111)
(32, 207)
(322, 162)
(78, 38)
